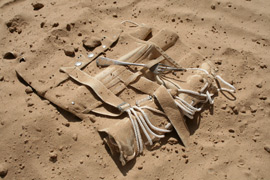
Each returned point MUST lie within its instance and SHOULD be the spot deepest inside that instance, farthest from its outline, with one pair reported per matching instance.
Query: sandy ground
(232, 142)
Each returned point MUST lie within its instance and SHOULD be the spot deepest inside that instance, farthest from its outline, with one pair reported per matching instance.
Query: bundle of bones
(137, 97)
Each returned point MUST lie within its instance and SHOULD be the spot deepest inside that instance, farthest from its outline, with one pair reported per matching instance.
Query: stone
(267, 148)
(67, 124)
(37, 6)
(243, 110)
(55, 25)
(114, 15)
(75, 137)
(38, 129)
(259, 85)
(3, 170)
(213, 7)
(91, 43)
(28, 90)
(263, 98)
(232, 106)
(10, 55)
(29, 104)
(172, 140)
(53, 156)
(224, 106)
(46, 102)
(69, 51)
(253, 108)
(42, 24)
(235, 110)
(68, 27)
(1, 78)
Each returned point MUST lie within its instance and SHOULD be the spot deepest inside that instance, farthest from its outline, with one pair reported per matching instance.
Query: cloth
(108, 94)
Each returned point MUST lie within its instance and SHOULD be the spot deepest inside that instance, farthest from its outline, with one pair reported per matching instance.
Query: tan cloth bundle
(133, 105)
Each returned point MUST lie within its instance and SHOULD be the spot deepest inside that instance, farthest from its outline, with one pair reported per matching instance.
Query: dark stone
(37, 6)
(68, 27)
(55, 25)
(3, 170)
(69, 51)
(53, 157)
(91, 43)
(28, 90)
(267, 149)
(10, 55)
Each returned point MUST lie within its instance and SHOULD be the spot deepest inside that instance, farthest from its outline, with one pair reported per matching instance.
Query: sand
(39, 141)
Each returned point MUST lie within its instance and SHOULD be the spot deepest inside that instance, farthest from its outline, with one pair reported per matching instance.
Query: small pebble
(232, 106)
(10, 55)
(213, 7)
(29, 104)
(1, 78)
(22, 59)
(140, 167)
(67, 124)
(185, 156)
(3, 170)
(231, 131)
(37, 6)
(224, 106)
(75, 137)
(257, 133)
(157, 145)
(243, 110)
(69, 51)
(259, 85)
(68, 27)
(263, 98)
(46, 102)
(55, 25)
(92, 42)
(53, 156)
(42, 24)
(235, 110)
(115, 15)
(28, 90)
(253, 108)
(38, 129)
(267, 148)
(172, 140)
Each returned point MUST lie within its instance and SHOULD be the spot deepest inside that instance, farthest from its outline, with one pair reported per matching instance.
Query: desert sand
(40, 141)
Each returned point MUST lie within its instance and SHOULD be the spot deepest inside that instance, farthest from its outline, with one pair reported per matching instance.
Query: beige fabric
(120, 140)
(100, 90)
(173, 113)
(88, 90)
